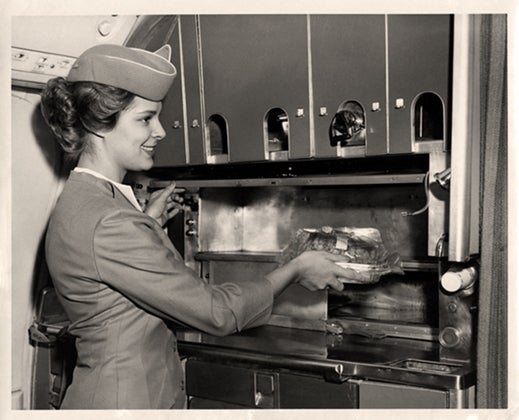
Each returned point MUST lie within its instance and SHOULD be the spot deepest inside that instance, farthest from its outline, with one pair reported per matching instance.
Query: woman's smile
(149, 149)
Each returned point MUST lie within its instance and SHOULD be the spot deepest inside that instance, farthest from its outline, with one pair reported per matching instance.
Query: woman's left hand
(164, 204)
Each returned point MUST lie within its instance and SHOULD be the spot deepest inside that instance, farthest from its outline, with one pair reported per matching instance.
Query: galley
(259, 211)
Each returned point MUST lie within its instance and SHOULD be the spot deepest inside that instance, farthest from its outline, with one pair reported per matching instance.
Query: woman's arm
(315, 270)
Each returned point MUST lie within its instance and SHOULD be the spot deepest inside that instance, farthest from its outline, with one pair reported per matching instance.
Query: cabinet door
(394, 396)
(348, 64)
(152, 33)
(419, 61)
(304, 391)
(231, 385)
(252, 64)
(191, 83)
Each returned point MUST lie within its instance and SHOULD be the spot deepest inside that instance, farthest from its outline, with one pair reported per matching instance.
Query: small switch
(399, 103)
(375, 107)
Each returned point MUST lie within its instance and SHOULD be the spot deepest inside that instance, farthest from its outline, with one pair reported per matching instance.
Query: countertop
(338, 357)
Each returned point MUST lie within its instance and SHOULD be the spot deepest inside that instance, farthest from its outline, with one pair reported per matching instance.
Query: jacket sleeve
(131, 257)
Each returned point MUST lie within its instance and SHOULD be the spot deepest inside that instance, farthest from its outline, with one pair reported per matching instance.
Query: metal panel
(382, 395)
(301, 391)
(438, 198)
(191, 79)
(252, 64)
(196, 403)
(464, 203)
(225, 383)
(348, 63)
(171, 151)
(299, 181)
(264, 219)
(419, 59)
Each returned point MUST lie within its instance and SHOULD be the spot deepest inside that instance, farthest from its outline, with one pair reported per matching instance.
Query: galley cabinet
(357, 59)
(255, 73)
(419, 69)
(348, 69)
(181, 112)
(280, 87)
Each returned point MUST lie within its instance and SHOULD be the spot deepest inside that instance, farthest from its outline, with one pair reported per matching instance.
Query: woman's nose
(158, 131)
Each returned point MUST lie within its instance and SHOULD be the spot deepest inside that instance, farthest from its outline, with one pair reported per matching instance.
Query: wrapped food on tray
(366, 255)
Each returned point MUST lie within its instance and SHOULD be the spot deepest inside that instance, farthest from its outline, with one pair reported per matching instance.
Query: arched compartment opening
(217, 148)
(347, 130)
(428, 118)
(276, 132)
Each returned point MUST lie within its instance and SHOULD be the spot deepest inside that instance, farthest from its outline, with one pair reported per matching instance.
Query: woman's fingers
(336, 284)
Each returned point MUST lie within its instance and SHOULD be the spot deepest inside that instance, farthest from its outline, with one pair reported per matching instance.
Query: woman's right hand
(316, 270)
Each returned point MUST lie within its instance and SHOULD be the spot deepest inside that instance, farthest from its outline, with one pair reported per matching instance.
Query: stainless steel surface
(329, 180)
(331, 370)
(464, 207)
(374, 395)
(416, 265)
(457, 320)
(264, 219)
(438, 218)
(384, 329)
(336, 358)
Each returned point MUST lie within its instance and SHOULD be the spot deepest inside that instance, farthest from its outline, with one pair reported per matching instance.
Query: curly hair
(74, 109)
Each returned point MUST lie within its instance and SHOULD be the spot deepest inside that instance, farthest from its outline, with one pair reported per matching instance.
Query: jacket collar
(105, 185)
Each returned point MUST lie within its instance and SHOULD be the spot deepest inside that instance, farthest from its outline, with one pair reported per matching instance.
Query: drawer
(304, 391)
(231, 384)
(216, 385)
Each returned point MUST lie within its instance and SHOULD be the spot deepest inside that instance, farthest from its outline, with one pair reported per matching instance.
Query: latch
(264, 390)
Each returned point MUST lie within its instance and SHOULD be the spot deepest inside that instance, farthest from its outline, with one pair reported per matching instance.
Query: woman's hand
(316, 270)
(164, 204)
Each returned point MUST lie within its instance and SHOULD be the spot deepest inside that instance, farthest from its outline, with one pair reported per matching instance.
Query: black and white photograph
(222, 210)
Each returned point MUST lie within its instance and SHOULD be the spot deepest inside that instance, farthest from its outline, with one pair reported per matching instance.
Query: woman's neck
(88, 161)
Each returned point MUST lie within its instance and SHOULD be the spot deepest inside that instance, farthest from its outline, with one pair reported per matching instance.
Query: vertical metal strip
(465, 133)
(476, 136)
(201, 85)
(311, 122)
(183, 90)
(386, 37)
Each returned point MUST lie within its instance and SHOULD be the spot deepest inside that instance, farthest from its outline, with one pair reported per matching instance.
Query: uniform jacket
(119, 279)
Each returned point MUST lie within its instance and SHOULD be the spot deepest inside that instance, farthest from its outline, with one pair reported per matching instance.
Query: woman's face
(130, 145)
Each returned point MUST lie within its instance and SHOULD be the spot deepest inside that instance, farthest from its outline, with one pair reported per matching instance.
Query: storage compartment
(429, 118)
(216, 385)
(217, 139)
(276, 134)
(263, 219)
(384, 395)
